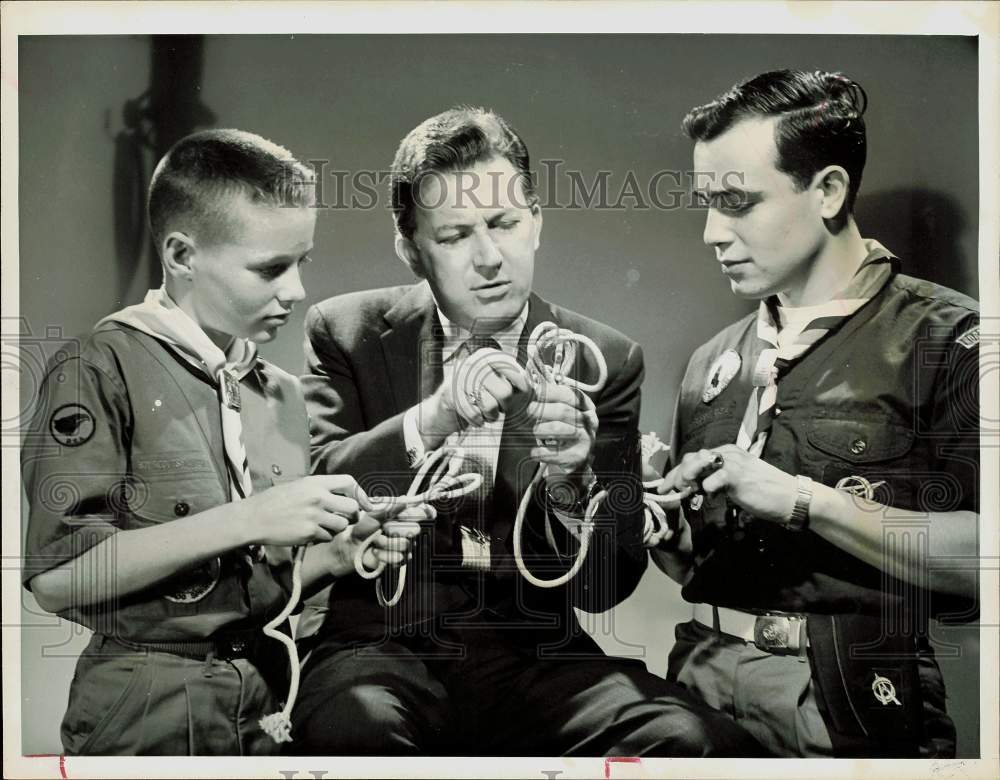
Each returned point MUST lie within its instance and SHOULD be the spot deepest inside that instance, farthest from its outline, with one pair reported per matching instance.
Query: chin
(749, 291)
(263, 336)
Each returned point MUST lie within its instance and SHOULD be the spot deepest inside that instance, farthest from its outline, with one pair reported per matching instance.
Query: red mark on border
(62, 762)
(617, 760)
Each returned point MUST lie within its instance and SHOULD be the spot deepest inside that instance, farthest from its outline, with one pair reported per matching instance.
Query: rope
(564, 342)
(444, 483)
(278, 725)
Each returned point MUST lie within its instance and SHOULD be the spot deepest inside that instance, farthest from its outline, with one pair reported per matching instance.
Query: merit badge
(71, 425)
(725, 367)
(231, 390)
(884, 691)
(859, 486)
(197, 584)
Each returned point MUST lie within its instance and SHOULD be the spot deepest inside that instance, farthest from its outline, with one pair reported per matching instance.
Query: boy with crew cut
(165, 470)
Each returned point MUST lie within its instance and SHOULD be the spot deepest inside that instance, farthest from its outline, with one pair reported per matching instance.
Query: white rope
(278, 725)
(564, 342)
(444, 483)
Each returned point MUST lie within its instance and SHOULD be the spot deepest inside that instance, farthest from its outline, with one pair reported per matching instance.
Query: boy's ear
(177, 252)
(407, 251)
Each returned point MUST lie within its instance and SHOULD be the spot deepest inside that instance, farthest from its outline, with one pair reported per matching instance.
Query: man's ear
(832, 184)
(407, 251)
(536, 216)
(177, 252)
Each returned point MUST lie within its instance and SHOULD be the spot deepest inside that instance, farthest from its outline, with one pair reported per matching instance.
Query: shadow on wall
(925, 228)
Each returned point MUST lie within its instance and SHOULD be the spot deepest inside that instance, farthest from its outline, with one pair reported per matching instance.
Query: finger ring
(551, 443)
(475, 399)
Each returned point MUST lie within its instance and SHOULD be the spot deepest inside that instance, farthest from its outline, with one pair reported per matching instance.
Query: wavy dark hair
(453, 140)
(820, 121)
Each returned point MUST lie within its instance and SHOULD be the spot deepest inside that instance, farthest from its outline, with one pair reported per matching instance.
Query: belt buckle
(778, 634)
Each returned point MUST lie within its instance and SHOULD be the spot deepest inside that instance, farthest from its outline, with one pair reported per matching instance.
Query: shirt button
(276, 470)
(777, 410)
(858, 446)
(181, 508)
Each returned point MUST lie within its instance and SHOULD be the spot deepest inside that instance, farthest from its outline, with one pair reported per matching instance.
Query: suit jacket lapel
(412, 347)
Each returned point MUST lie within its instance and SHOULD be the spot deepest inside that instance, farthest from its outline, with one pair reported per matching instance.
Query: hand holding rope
(444, 483)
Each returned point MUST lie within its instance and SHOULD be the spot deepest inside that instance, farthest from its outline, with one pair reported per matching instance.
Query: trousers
(126, 702)
(771, 696)
(498, 697)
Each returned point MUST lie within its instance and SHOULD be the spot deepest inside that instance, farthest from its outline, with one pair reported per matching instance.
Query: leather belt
(781, 633)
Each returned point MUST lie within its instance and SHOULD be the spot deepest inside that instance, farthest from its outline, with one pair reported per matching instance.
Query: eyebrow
(714, 197)
(465, 225)
(269, 259)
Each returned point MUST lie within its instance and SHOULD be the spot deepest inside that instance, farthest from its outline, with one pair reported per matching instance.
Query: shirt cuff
(411, 436)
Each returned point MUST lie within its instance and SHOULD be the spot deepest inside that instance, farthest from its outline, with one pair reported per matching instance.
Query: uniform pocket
(104, 699)
(868, 457)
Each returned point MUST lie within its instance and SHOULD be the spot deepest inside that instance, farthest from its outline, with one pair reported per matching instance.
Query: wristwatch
(798, 520)
(577, 508)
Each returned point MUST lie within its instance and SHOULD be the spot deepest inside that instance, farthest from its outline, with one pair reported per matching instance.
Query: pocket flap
(860, 441)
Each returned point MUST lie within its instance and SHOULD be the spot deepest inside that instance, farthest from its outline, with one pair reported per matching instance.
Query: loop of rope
(278, 725)
(564, 344)
(444, 483)
(656, 526)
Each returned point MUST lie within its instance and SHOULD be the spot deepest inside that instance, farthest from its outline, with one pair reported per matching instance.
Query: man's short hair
(203, 172)
(453, 140)
(820, 121)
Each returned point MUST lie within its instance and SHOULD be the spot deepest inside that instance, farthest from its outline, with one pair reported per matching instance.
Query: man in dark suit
(474, 659)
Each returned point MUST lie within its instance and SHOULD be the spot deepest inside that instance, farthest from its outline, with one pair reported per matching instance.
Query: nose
(716, 232)
(291, 290)
(487, 256)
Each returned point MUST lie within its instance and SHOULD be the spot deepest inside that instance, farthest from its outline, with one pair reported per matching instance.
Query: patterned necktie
(775, 360)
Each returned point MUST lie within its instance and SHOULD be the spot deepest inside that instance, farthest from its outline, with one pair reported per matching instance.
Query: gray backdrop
(596, 103)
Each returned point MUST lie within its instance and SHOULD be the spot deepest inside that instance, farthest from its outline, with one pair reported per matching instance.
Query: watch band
(578, 507)
(798, 520)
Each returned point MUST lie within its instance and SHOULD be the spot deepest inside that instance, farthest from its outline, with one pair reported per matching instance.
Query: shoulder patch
(970, 338)
(72, 425)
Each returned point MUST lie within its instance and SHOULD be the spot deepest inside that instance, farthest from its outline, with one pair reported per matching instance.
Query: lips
(492, 290)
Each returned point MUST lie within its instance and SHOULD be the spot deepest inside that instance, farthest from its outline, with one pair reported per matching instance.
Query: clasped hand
(562, 420)
(757, 487)
(333, 508)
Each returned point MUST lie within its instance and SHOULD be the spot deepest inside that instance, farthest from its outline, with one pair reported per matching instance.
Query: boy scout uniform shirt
(889, 397)
(127, 435)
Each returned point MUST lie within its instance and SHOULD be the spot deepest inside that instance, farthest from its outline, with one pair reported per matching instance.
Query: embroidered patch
(72, 425)
(970, 338)
(198, 583)
(859, 486)
(884, 691)
(725, 367)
